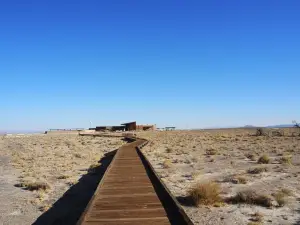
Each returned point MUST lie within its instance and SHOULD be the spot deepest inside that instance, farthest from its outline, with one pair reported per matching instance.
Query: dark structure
(71, 129)
(170, 128)
(130, 126)
(110, 128)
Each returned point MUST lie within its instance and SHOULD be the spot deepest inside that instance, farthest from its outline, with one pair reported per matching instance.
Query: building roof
(128, 123)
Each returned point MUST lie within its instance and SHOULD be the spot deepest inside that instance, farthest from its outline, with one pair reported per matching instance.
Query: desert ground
(226, 176)
(230, 176)
(38, 170)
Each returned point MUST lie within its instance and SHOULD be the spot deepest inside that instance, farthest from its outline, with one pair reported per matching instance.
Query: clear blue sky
(182, 63)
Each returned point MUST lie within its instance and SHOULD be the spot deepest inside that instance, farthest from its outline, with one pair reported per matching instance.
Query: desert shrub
(167, 164)
(77, 155)
(235, 179)
(205, 194)
(280, 198)
(44, 208)
(242, 180)
(281, 195)
(264, 159)
(34, 185)
(251, 197)
(169, 150)
(211, 151)
(285, 160)
(250, 156)
(277, 133)
(68, 143)
(62, 177)
(261, 132)
(93, 167)
(257, 217)
(254, 223)
(286, 191)
(72, 182)
(257, 170)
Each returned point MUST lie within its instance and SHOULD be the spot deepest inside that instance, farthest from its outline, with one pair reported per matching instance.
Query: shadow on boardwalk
(68, 209)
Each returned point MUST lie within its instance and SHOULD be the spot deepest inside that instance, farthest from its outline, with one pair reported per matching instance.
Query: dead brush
(62, 177)
(250, 156)
(254, 223)
(205, 194)
(257, 217)
(286, 160)
(167, 164)
(235, 179)
(257, 170)
(211, 151)
(287, 192)
(93, 167)
(264, 159)
(241, 180)
(251, 197)
(261, 132)
(281, 196)
(169, 150)
(34, 185)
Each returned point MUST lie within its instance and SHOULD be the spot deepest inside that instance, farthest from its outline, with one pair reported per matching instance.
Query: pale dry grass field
(48, 165)
(230, 176)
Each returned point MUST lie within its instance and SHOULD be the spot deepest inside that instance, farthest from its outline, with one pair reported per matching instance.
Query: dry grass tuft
(251, 197)
(44, 208)
(93, 167)
(242, 180)
(34, 185)
(280, 198)
(261, 132)
(264, 159)
(169, 150)
(250, 156)
(205, 194)
(287, 192)
(77, 155)
(257, 170)
(211, 151)
(281, 195)
(286, 160)
(257, 217)
(167, 164)
(62, 177)
(254, 223)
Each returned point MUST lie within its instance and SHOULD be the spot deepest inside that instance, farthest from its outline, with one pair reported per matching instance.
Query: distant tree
(296, 124)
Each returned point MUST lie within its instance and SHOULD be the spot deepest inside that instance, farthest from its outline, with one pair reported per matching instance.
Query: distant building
(170, 128)
(133, 126)
(130, 126)
(110, 128)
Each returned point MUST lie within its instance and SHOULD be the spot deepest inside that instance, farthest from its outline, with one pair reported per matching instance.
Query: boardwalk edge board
(82, 217)
(175, 202)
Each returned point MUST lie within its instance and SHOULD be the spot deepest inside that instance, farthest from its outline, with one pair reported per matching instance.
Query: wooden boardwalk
(125, 194)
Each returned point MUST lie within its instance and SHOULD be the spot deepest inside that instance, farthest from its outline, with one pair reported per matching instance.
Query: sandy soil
(185, 158)
(54, 162)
